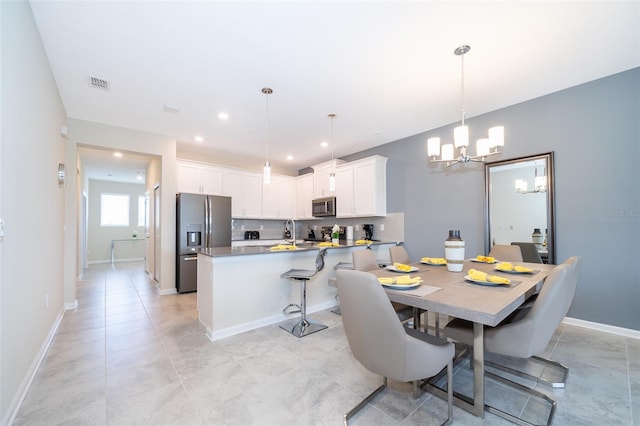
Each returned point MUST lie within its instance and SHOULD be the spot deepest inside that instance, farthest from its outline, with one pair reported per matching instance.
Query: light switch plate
(1, 229)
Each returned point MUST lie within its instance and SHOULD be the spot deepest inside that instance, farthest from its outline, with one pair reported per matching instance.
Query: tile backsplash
(388, 228)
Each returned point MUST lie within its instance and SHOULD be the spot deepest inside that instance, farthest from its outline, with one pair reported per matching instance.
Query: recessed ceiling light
(199, 139)
(289, 157)
(223, 116)
(117, 154)
(139, 177)
(324, 144)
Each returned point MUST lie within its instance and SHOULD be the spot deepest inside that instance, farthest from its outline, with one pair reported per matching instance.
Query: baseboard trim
(264, 322)
(612, 329)
(71, 306)
(128, 259)
(19, 396)
(165, 291)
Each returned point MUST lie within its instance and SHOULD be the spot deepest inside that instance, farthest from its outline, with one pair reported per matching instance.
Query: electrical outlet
(46, 301)
(1, 229)
(382, 226)
(242, 227)
(262, 227)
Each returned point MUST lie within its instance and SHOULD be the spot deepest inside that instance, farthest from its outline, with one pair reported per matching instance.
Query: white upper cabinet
(321, 178)
(198, 178)
(361, 188)
(304, 196)
(279, 198)
(245, 190)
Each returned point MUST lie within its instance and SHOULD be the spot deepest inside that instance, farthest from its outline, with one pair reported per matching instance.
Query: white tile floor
(128, 357)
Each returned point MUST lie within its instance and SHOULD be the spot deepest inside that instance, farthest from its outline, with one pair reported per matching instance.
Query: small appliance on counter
(368, 232)
(251, 235)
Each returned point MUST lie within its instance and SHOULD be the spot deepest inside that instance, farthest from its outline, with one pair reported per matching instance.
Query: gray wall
(31, 202)
(594, 130)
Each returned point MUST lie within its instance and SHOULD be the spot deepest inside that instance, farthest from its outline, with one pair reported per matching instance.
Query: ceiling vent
(99, 83)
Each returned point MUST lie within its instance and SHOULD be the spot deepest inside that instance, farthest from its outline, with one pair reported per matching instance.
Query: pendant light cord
(462, 87)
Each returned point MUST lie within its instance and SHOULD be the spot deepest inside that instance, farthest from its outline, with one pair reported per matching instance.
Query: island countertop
(250, 250)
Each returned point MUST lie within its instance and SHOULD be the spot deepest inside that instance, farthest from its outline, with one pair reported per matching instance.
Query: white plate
(402, 286)
(394, 269)
(489, 283)
(433, 264)
(480, 261)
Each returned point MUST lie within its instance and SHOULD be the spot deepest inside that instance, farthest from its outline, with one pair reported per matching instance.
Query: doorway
(156, 233)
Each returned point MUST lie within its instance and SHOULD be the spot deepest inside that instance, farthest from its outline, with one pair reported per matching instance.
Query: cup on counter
(349, 233)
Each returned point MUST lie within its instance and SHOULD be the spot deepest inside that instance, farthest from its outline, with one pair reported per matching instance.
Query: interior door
(156, 234)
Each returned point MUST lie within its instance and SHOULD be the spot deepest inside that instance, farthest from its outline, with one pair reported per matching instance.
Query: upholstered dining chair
(399, 254)
(528, 331)
(365, 260)
(506, 253)
(381, 344)
(529, 252)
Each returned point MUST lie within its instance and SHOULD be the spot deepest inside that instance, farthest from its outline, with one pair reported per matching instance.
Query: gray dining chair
(365, 260)
(529, 252)
(302, 327)
(506, 253)
(527, 332)
(382, 345)
(399, 254)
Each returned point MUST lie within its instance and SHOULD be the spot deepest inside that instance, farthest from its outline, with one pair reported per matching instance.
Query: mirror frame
(551, 234)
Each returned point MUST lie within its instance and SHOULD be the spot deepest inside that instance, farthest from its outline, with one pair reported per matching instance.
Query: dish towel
(483, 276)
(362, 242)
(328, 244)
(283, 247)
(486, 259)
(435, 260)
(402, 280)
(402, 267)
(506, 266)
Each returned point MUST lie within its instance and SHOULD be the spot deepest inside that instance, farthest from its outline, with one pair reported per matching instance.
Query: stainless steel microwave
(323, 207)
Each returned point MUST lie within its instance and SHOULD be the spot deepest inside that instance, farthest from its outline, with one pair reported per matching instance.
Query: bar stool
(302, 327)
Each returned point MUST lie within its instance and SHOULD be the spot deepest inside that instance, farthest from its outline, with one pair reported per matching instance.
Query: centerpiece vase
(454, 251)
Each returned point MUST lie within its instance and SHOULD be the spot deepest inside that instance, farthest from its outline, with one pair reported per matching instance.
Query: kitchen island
(240, 289)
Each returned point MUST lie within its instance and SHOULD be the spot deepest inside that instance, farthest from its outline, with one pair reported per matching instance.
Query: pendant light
(484, 147)
(266, 175)
(332, 175)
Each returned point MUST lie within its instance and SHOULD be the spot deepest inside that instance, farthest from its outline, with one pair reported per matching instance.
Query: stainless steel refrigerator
(202, 221)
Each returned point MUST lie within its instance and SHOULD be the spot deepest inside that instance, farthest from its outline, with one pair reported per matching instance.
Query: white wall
(100, 237)
(162, 172)
(31, 202)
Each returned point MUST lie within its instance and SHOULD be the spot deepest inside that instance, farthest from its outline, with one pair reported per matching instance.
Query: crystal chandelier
(484, 147)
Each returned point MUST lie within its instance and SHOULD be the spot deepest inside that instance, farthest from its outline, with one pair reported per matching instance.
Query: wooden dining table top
(460, 298)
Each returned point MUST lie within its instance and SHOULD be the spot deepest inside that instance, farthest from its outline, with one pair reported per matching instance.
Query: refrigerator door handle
(206, 222)
(190, 258)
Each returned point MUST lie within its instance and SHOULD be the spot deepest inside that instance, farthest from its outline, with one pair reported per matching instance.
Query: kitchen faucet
(293, 231)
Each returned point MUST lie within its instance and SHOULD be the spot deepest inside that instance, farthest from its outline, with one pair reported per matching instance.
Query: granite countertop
(250, 250)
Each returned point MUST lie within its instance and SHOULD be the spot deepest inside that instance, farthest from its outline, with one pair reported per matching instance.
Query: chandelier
(539, 183)
(484, 146)
(266, 175)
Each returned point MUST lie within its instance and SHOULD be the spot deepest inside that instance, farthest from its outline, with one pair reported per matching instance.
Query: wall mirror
(519, 204)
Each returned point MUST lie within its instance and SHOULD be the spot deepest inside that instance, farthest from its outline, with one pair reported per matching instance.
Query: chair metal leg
(364, 402)
(449, 394)
(301, 327)
(563, 368)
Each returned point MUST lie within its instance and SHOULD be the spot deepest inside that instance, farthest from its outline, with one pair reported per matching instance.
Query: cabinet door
(189, 178)
(321, 182)
(304, 195)
(286, 197)
(370, 187)
(211, 180)
(233, 183)
(344, 191)
(252, 195)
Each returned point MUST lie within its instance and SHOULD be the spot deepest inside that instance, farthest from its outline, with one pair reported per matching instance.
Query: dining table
(456, 295)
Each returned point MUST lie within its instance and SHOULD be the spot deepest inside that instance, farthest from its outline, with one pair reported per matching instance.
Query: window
(142, 210)
(114, 210)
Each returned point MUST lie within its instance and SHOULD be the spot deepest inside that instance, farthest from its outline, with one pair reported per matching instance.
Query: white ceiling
(387, 69)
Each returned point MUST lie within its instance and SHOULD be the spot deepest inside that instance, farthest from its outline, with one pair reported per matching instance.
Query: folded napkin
(362, 242)
(483, 276)
(401, 280)
(283, 247)
(435, 260)
(402, 267)
(328, 244)
(486, 259)
(506, 266)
